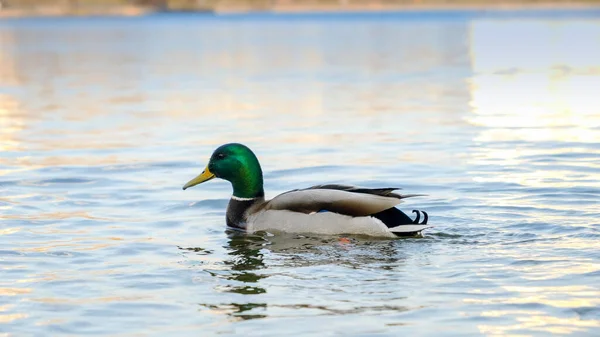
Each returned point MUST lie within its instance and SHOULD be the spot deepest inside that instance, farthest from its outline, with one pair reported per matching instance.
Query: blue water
(494, 115)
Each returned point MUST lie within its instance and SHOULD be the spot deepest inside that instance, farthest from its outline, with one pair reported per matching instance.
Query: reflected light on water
(11, 317)
(534, 103)
(578, 296)
(565, 297)
(525, 89)
(541, 323)
(71, 301)
(14, 291)
(8, 231)
(10, 123)
(532, 89)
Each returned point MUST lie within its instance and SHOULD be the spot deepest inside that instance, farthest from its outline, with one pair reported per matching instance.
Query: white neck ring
(241, 199)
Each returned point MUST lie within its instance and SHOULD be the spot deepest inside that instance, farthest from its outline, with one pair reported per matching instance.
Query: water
(495, 116)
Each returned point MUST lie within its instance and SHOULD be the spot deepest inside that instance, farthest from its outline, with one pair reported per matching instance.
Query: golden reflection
(8, 231)
(96, 300)
(70, 114)
(12, 317)
(532, 88)
(14, 291)
(542, 323)
(53, 216)
(570, 296)
(500, 313)
(578, 296)
(54, 321)
(76, 245)
(572, 243)
(542, 272)
(11, 123)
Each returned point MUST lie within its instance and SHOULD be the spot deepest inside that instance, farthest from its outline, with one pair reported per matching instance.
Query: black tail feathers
(393, 217)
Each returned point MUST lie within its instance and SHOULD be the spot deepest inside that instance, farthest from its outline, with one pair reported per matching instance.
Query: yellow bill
(206, 175)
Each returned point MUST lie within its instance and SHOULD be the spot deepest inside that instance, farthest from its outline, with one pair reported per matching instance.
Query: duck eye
(220, 156)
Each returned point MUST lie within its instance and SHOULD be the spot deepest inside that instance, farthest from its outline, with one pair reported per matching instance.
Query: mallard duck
(321, 209)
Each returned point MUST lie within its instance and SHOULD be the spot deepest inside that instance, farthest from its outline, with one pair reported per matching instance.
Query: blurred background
(490, 109)
(135, 7)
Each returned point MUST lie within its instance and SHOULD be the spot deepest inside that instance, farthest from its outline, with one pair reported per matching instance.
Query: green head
(237, 164)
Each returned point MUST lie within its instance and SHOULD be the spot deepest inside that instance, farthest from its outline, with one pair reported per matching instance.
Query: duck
(329, 209)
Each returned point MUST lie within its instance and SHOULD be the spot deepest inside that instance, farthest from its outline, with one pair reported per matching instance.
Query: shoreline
(132, 10)
(431, 7)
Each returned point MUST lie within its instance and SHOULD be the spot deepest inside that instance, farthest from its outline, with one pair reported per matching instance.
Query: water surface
(496, 117)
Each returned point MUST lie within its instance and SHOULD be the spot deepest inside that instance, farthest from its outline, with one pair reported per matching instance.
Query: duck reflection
(299, 250)
(244, 267)
(246, 258)
(243, 259)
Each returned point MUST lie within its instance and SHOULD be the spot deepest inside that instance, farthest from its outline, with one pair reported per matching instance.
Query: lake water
(495, 116)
